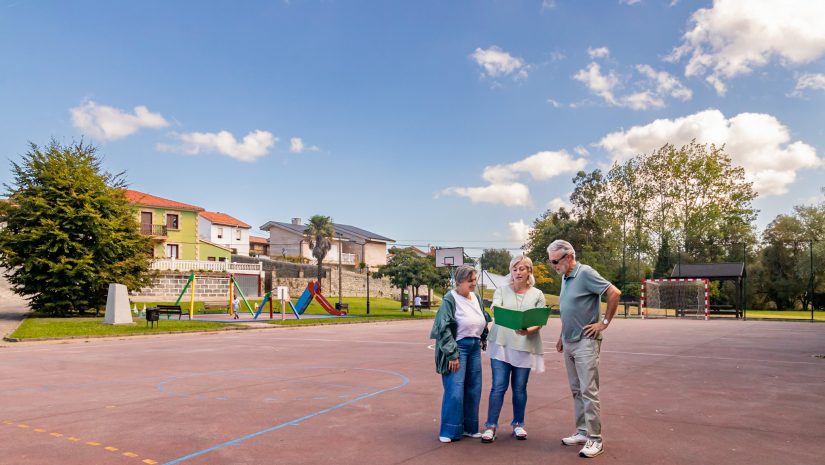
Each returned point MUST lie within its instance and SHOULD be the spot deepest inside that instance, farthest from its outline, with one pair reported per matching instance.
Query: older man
(581, 339)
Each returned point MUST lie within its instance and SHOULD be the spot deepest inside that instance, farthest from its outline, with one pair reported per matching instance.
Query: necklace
(519, 300)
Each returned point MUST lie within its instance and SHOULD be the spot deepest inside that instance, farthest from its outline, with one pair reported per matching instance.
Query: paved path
(12, 307)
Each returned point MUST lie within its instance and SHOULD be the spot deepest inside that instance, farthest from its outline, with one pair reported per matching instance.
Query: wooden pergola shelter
(723, 271)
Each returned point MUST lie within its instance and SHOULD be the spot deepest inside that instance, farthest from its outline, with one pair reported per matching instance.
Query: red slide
(314, 288)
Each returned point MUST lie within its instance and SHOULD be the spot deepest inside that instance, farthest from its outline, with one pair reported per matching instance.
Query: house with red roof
(222, 229)
(173, 227)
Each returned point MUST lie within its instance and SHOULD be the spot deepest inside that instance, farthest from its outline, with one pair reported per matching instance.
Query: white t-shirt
(471, 321)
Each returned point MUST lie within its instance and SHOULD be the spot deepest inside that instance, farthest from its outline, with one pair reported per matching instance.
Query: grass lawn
(35, 327)
(381, 309)
(786, 314)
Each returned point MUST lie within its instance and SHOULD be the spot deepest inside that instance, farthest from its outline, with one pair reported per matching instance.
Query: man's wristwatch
(605, 322)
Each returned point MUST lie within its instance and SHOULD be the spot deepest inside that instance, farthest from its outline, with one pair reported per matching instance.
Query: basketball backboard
(449, 257)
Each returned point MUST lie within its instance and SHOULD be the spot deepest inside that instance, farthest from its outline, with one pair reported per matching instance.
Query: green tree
(406, 269)
(70, 231)
(320, 231)
(496, 260)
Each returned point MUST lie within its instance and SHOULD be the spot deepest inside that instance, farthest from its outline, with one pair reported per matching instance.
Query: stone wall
(215, 286)
(168, 285)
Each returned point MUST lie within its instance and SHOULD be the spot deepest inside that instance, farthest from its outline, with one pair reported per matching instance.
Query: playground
(674, 391)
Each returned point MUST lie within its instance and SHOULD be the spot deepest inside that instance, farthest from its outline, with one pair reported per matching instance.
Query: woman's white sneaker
(576, 439)
(591, 449)
(520, 433)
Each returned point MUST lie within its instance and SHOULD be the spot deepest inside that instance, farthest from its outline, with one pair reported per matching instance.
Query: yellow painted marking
(149, 461)
(130, 454)
(8, 422)
(111, 406)
(92, 443)
(72, 438)
(22, 426)
(40, 430)
(110, 448)
(57, 435)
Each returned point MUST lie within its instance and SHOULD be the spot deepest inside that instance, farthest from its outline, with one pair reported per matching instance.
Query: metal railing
(153, 230)
(332, 258)
(204, 265)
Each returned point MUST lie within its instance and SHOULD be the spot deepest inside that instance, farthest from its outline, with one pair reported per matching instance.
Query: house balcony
(201, 265)
(153, 230)
(332, 259)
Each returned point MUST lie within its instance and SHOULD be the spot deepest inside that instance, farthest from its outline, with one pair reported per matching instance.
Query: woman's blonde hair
(531, 280)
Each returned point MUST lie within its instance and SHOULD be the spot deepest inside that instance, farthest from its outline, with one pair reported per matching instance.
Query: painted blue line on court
(295, 422)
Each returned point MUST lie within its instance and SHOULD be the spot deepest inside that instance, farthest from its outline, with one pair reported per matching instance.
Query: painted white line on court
(708, 357)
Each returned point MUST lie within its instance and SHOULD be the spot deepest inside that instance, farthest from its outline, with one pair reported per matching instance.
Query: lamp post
(340, 246)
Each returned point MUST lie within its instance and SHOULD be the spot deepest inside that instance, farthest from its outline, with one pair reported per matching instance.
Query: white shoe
(444, 439)
(575, 439)
(520, 433)
(488, 436)
(591, 449)
(471, 435)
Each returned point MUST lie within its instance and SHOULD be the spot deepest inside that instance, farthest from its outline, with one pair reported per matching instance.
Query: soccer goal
(682, 296)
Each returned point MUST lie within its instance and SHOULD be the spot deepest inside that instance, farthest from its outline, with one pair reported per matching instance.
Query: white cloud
(504, 187)
(629, 2)
(110, 123)
(557, 203)
(540, 166)
(519, 230)
(548, 4)
(666, 83)
(498, 63)
(554, 103)
(756, 141)
(510, 194)
(598, 83)
(809, 81)
(296, 145)
(254, 145)
(601, 52)
(581, 150)
(734, 37)
(656, 85)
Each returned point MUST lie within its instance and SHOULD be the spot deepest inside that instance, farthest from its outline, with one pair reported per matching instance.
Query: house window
(172, 221)
(237, 234)
(211, 259)
(220, 233)
(172, 251)
(221, 259)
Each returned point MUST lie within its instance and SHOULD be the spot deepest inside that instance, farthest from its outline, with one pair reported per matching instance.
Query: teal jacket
(444, 331)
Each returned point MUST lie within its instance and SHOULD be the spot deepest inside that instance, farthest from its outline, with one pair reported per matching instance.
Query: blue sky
(444, 123)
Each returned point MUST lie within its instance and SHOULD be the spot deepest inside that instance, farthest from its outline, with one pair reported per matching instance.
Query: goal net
(679, 296)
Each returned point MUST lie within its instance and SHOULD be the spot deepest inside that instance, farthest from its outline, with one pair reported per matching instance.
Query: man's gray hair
(561, 246)
(526, 261)
(464, 273)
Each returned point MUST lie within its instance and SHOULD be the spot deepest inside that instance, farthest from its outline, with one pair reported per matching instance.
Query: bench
(630, 301)
(169, 310)
(214, 305)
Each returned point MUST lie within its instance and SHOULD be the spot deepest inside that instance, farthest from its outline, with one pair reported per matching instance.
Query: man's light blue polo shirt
(579, 300)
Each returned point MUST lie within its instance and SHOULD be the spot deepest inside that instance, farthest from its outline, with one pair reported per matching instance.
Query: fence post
(811, 280)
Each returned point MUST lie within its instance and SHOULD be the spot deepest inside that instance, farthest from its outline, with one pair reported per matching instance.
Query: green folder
(521, 319)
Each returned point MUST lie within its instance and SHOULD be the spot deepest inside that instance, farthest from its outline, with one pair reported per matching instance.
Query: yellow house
(173, 227)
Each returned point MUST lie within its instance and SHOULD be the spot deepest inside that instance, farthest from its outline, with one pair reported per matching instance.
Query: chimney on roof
(296, 221)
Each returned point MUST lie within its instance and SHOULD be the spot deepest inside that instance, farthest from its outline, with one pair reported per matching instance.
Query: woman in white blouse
(460, 332)
(514, 353)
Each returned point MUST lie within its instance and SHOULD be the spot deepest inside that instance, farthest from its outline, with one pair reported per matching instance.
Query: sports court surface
(673, 392)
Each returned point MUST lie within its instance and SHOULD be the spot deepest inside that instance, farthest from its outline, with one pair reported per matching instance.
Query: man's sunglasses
(556, 262)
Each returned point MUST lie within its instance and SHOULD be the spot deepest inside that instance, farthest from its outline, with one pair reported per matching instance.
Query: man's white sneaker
(444, 439)
(576, 439)
(591, 449)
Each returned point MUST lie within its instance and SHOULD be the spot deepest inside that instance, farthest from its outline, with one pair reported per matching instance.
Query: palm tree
(320, 231)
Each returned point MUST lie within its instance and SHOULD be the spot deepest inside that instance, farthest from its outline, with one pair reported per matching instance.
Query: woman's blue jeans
(503, 375)
(462, 392)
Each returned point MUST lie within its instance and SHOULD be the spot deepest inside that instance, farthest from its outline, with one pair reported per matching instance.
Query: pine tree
(70, 231)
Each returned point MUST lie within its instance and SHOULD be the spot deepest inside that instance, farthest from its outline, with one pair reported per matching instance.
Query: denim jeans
(582, 362)
(462, 392)
(504, 375)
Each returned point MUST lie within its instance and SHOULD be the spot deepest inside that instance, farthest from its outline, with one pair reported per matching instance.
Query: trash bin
(153, 315)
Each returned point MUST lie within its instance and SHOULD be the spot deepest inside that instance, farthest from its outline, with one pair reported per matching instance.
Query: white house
(356, 245)
(222, 229)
